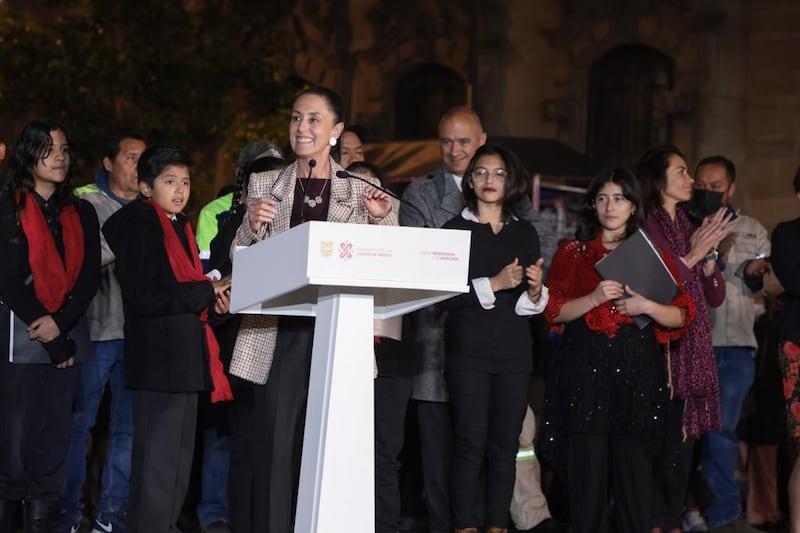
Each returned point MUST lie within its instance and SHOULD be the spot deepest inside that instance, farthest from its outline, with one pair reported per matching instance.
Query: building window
(627, 111)
(423, 96)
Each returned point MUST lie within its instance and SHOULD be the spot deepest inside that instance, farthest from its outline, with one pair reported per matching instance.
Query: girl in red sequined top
(607, 391)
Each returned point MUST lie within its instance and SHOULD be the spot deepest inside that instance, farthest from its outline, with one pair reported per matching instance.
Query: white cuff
(484, 292)
(525, 307)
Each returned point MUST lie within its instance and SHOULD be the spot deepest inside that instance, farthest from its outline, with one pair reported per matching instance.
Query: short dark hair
(589, 225)
(721, 160)
(651, 171)
(113, 143)
(32, 144)
(156, 158)
(517, 184)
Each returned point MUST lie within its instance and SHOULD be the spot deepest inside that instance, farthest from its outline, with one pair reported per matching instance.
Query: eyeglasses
(482, 174)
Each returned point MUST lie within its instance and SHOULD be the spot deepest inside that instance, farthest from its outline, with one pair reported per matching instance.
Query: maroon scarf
(187, 270)
(693, 366)
(52, 277)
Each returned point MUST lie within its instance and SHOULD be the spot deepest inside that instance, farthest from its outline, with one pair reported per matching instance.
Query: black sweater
(491, 340)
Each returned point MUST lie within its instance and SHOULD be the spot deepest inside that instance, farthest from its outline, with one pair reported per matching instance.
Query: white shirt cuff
(525, 307)
(484, 292)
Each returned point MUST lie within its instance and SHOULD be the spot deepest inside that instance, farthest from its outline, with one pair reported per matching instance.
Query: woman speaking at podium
(607, 391)
(275, 354)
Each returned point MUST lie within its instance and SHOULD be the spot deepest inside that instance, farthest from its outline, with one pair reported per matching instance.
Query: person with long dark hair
(666, 184)
(274, 353)
(488, 343)
(607, 392)
(49, 271)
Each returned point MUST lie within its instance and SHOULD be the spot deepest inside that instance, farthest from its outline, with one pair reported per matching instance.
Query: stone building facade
(606, 77)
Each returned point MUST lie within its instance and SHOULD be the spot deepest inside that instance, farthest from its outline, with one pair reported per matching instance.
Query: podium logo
(326, 249)
(346, 250)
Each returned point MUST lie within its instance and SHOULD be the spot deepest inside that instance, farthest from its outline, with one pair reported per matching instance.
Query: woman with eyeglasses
(607, 389)
(488, 342)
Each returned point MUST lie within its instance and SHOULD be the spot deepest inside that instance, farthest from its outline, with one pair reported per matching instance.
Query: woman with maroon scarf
(694, 409)
(49, 270)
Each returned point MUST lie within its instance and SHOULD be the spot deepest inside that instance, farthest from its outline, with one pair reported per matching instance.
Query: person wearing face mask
(275, 353)
(742, 254)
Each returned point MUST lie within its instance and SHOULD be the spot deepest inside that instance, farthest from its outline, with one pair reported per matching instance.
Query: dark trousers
(436, 448)
(391, 400)
(161, 458)
(488, 410)
(267, 437)
(672, 477)
(590, 460)
(36, 403)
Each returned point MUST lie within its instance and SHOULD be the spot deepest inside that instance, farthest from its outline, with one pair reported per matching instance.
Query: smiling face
(460, 136)
(678, 183)
(613, 210)
(312, 126)
(170, 189)
(51, 169)
(489, 179)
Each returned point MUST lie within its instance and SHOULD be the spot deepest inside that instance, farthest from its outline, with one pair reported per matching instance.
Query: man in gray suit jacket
(438, 197)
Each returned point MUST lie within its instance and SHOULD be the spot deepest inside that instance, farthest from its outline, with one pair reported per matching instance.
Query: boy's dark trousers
(161, 461)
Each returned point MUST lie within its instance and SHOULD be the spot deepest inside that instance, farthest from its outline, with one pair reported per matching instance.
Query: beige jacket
(255, 343)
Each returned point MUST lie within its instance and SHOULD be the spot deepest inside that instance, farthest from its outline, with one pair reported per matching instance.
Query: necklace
(312, 202)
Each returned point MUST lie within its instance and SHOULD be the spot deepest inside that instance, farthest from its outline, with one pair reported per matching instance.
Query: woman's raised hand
(261, 211)
(534, 275)
(708, 236)
(509, 277)
(377, 202)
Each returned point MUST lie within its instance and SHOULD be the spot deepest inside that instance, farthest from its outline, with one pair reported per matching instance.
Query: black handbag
(16, 347)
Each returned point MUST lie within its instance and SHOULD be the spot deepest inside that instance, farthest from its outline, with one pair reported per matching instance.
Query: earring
(332, 141)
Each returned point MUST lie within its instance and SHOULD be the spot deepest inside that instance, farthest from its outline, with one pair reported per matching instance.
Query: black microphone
(311, 164)
(345, 174)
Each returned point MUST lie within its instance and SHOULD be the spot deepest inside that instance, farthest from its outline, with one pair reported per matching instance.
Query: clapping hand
(708, 236)
(509, 277)
(534, 275)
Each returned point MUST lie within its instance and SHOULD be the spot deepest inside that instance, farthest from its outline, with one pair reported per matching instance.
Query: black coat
(17, 291)
(165, 347)
(785, 262)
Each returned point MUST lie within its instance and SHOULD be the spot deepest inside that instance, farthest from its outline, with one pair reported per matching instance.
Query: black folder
(637, 263)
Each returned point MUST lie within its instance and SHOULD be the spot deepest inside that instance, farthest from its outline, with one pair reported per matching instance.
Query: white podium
(345, 275)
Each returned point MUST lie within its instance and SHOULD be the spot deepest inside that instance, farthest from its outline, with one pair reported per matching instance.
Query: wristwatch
(713, 255)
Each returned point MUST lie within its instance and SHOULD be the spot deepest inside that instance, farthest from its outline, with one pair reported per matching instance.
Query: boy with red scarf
(49, 268)
(170, 352)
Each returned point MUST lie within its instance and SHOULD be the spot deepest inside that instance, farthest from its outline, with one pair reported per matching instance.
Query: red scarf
(53, 277)
(186, 270)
